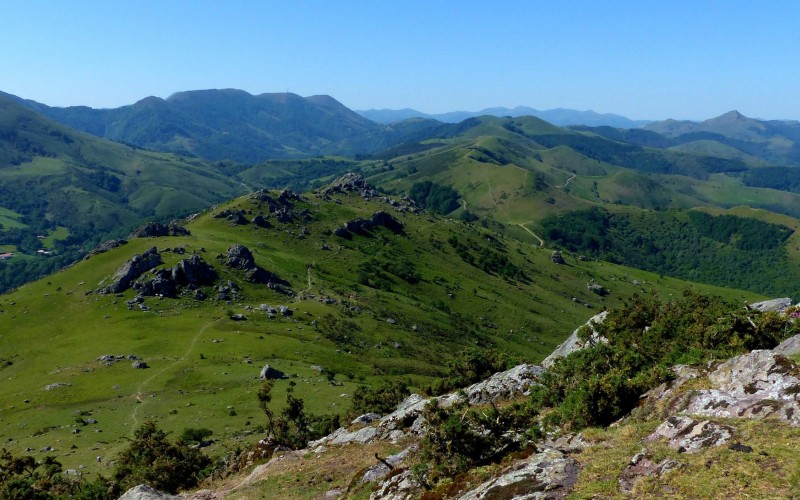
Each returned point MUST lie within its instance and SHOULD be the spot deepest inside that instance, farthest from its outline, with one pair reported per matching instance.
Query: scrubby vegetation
(435, 197)
(597, 386)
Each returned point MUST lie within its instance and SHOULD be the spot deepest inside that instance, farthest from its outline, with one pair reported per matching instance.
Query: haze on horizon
(655, 60)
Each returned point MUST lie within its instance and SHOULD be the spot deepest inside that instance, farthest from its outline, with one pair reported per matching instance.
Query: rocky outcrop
(688, 435)
(144, 492)
(557, 257)
(270, 373)
(642, 466)
(789, 347)
(235, 216)
(282, 207)
(546, 474)
(363, 227)
(760, 384)
(160, 285)
(573, 342)
(105, 247)
(132, 270)
(194, 271)
(351, 183)
(240, 257)
(155, 229)
(773, 305)
(406, 420)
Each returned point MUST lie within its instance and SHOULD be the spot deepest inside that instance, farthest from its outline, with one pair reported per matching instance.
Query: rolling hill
(81, 189)
(374, 290)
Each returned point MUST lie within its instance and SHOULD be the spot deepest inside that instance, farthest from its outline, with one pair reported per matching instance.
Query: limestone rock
(547, 474)
(106, 246)
(504, 385)
(774, 305)
(557, 257)
(155, 229)
(402, 486)
(194, 271)
(144, 492)
(789, 347)
(641, 466)
(689, 435)
(133, 269)
(573, 343)
(270, 373)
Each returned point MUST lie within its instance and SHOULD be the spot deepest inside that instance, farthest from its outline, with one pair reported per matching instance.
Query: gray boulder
(131, 270)
(270, 373)
(573, 342)
(144, 492)
(773, 305)
(194, 271)
(642, 466)
(686, 434)
(557, 257)
(546, 474)
(789, 347)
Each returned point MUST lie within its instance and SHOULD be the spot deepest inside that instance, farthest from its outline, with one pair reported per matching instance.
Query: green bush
(469, 367)
(644, 339)
(153, 460)
(382, 399)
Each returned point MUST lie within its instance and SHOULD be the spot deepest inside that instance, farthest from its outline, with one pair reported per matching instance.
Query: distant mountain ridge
(233, 124)
(558, 116)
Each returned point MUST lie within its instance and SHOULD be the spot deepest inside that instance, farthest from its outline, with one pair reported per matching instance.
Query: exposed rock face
(402, 486)
(144, 492)
(774, 305)
(270, 373)
(641, 466)
(689, 435)
(557, 257)
(155, 229)
(351, 183)
(760, 384)
(573, 343)
(106, 246)
(161, 285)
(235, 216)
(261, 221)
(194, 271)
(240, 257)
(131, 270)
(282, 207)
(363, 227)
(379, 471)
(789, 347)
(406, 419)
(547, 474)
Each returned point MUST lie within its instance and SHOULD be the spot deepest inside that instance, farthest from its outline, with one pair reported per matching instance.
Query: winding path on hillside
(541, 241)
(140, 390)
(567, 183)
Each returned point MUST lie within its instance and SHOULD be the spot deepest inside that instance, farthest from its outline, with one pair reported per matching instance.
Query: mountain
(63, 190)
(173, 329)
(557, 116)
(776, 141)
(235, 125)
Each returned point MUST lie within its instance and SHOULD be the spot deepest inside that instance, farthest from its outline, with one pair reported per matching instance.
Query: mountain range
(558, 116)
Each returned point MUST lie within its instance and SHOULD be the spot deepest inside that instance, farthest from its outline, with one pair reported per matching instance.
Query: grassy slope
(53, 330)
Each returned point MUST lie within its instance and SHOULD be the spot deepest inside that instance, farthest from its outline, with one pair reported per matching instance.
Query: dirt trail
(541, 241)
(567, 183)
(140, 390)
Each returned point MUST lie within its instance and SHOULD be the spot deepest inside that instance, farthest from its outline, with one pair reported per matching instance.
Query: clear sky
(645, 59)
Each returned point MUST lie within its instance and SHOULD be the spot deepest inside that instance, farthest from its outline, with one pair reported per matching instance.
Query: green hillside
(377, 301)
(53, 177)
(235, 125)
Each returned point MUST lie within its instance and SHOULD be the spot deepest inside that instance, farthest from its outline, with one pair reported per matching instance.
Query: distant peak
(731, 115)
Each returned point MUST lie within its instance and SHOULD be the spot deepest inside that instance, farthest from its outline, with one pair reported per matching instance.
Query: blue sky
(645, 59)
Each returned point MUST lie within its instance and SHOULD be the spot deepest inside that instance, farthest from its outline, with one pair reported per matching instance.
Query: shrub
(153, 460)
(469, 367)
(382, 399)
